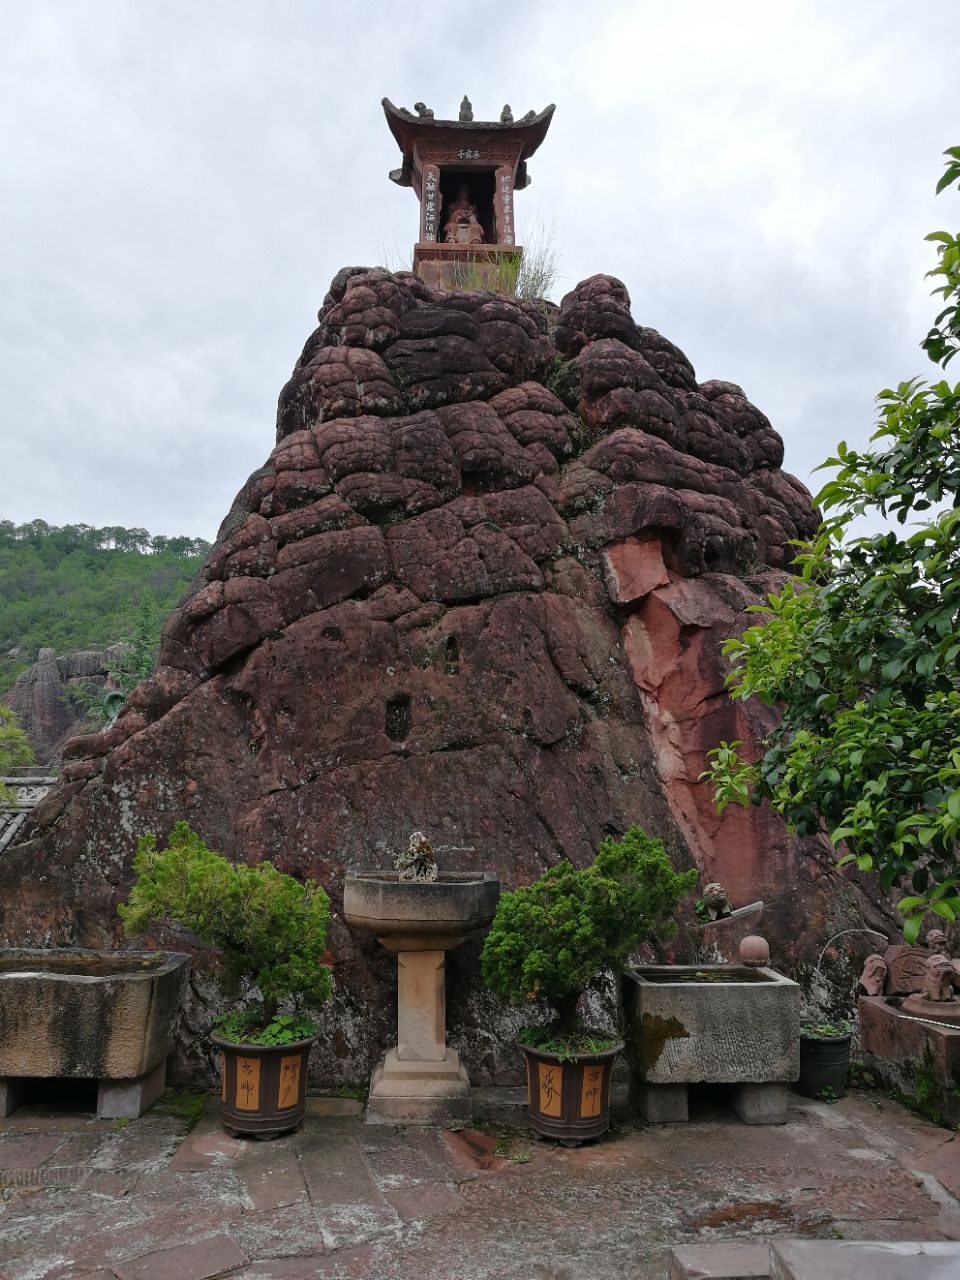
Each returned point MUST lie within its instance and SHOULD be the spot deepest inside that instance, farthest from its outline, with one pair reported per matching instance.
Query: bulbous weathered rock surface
(478, 588)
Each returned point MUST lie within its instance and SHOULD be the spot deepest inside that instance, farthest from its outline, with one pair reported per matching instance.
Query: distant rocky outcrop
(40, 697)
(479, 588)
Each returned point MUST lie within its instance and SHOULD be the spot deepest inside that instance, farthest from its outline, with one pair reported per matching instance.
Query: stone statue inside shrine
(462, 225)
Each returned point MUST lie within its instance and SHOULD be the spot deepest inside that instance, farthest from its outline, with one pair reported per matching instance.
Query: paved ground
(84, 1200)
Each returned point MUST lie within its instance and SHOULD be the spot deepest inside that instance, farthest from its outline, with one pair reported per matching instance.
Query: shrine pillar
(430, 204)
(503, 205)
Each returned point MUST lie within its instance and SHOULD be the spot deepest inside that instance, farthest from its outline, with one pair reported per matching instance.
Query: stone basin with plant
(552, 939)
(271, 931)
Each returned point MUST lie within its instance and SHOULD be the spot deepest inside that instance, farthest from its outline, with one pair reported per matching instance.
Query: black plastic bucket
(824, 1063)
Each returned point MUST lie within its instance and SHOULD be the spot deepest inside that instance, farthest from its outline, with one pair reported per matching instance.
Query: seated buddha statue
(462, 225)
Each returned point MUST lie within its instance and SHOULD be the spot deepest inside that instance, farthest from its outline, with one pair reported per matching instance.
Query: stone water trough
(735, 1025)
(107, 1016)
(911, 1054)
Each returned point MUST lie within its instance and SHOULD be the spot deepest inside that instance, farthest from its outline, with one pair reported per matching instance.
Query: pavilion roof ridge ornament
(406, 125)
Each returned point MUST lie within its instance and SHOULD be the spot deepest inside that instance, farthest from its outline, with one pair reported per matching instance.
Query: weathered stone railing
(28, 786)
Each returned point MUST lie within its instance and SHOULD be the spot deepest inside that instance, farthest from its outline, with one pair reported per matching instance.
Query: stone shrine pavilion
(464, 173)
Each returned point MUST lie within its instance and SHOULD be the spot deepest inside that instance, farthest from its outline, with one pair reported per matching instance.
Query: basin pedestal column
(422, 1080)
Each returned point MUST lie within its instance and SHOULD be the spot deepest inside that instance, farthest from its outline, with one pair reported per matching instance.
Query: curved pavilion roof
(408, 129)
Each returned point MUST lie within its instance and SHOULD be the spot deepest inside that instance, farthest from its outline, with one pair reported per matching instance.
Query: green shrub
(825, 1030)
(271, 929)
(551, 939)
(15, 750)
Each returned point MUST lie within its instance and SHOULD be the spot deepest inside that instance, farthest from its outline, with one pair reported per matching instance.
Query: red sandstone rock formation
(40, 695)
(479, 588)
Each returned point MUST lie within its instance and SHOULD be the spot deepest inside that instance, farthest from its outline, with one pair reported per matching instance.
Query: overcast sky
(180, 181)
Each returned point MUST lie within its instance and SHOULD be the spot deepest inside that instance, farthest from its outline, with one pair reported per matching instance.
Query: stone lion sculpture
(938, 979)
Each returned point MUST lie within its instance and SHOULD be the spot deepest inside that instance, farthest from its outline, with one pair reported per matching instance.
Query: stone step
(816, 1260)
(863, 1260)
(722, 1260)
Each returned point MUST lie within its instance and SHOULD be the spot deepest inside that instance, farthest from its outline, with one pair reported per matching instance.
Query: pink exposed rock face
(479, 588)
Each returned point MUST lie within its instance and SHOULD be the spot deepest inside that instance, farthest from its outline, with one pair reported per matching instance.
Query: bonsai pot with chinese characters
(550, 940)
(271, 932)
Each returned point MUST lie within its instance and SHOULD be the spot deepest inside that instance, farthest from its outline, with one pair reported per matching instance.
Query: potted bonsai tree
(550, 940)
(271, 930)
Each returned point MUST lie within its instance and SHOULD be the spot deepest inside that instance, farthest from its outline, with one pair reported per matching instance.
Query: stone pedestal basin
(422, 1080)
(95, 1015)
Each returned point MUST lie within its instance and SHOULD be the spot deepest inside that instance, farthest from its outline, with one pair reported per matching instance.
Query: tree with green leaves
(139, 659)
(551, 938)
(15, 750)
(861, 651)
(270, 928)
(136, 661)
(72, 588)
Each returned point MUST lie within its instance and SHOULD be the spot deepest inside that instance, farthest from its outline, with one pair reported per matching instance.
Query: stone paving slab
(845, 1260)
(81, 1200)
(271, 1179)
(726, 1260)
(292, 1231)
(214, 1256)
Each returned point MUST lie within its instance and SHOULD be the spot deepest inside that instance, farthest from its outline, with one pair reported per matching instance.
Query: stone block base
(11, 1095)
(856, 1259)
(720, 1260)
(753, 1103)
(760, 1103)
(128, 1099)
(663, 1103)
(899, 1050)
(412, 1092)
(460, 266)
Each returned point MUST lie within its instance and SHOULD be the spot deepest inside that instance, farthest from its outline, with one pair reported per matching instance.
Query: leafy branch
(860, 651)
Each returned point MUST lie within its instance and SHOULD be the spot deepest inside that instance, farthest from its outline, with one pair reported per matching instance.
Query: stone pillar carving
(503, 206)
(430, 203)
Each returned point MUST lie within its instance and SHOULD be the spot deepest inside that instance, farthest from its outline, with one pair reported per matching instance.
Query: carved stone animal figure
(938, 979)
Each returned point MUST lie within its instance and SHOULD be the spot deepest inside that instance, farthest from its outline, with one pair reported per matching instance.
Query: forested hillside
(77, 587)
